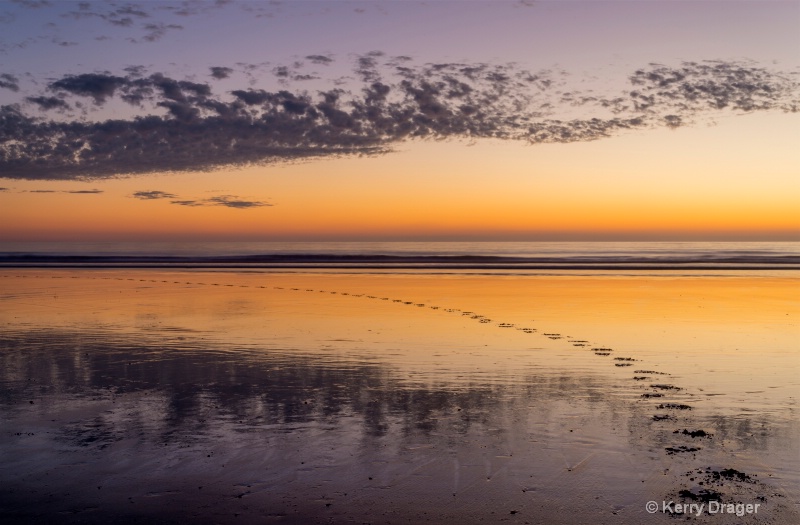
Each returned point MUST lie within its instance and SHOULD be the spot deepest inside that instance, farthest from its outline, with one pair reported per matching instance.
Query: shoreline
(399, 266)
(704, 261)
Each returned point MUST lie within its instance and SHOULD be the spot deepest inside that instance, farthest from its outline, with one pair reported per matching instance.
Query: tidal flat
(175, 396)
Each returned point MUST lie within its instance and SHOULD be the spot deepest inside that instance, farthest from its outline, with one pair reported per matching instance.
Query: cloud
(304, 77)
(367, 66)
(99, 86)
(132, 88)
(281, 71)
(183, 125)
(135, 71)
(33, 4)
(124, 16)
(196, 8)
(323, 60)
(132, 15)
(229, 201)
(157, 31)
(221, 72)
(152, 195)
(130, 10)
(9, 82)
(5, 189)
(79, 192)
(711, 85)
(48, 103)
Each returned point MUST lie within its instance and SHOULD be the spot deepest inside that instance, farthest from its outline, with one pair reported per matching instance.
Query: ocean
(443, 255)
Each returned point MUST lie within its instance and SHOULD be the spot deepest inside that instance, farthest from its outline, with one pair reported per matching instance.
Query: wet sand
(159, 396)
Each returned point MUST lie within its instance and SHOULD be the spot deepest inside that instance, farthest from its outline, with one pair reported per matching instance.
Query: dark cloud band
(184, 126)
(153, 195)
(228, 201)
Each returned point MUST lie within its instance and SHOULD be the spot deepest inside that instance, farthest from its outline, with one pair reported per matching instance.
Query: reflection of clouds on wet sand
(342, 423)
(278, 430)
(193, 378)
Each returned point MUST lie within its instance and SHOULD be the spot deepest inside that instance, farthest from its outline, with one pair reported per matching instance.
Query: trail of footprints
(657, 391)
(642, 375)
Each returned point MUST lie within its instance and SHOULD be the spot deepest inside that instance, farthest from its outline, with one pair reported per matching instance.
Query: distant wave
(707, 260)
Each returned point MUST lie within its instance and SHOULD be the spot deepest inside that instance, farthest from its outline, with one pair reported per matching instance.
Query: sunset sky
(400, 120)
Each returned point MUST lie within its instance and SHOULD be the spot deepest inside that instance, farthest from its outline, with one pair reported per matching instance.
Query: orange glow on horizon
(631, 187)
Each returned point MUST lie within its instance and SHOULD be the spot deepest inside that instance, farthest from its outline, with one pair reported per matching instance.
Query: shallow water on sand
(338, 397)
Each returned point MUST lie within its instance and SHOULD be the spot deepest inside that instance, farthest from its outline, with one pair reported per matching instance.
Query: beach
(331, 396)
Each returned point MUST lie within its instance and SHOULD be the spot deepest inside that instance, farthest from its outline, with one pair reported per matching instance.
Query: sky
(399, 120)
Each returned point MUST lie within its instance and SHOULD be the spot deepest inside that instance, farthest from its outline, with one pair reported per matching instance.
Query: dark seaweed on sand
(675, 406)
(680, 449)
(693, 433)
(703, 495)
(662, 417)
